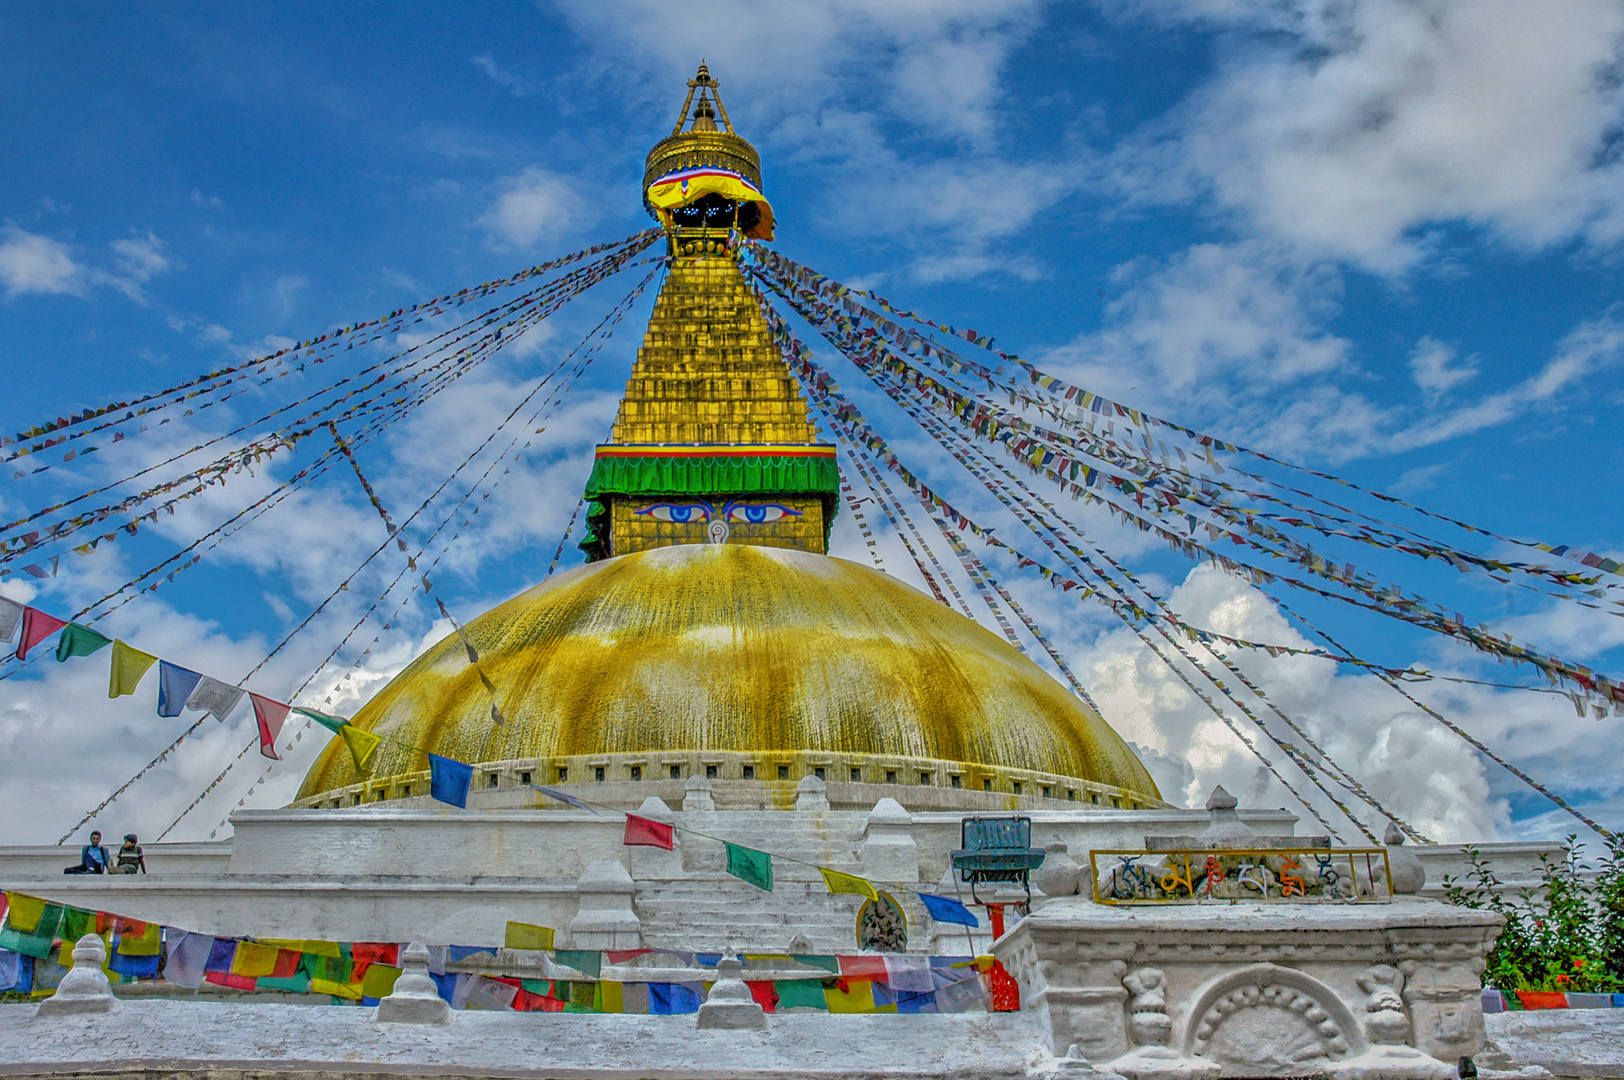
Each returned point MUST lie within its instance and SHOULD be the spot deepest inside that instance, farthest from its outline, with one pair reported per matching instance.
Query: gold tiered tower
(713, 441)
(710, 635)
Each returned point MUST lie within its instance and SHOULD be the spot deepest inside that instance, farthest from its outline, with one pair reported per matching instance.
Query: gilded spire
(713, 441)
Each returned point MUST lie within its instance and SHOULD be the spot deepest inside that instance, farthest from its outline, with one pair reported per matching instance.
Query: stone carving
(1409, 876)
(881, 926)
(1074, 1066)
(1148, 1024)
(1385, 1022)
(415, 999)
(811, 794)
(1445, 1010)
(1269, 1023)
(729, 1004)
(606, 919)
(85, 989)
(1226, 823)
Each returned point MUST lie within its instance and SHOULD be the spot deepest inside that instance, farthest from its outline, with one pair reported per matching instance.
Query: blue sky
(1373, 237)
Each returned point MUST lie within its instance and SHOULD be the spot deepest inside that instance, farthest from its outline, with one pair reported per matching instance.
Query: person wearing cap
(92, 857)
(130, 860)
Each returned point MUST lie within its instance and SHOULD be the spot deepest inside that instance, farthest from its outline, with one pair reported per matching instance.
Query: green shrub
(1565, 934)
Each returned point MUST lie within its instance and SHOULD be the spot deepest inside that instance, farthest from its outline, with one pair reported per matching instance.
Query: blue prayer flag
(175, 685)
(671, 999)
(948, 910)
(449, 780)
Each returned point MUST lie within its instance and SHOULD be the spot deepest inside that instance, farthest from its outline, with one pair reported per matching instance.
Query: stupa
(712, 634)
(714, 669)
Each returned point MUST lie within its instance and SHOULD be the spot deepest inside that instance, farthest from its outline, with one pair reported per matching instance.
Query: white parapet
(1256, 989)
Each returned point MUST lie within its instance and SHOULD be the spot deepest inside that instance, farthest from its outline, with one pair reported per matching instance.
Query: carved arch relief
(1266, 1020)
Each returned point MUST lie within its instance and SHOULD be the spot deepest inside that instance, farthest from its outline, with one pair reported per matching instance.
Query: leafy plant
(1567, 933)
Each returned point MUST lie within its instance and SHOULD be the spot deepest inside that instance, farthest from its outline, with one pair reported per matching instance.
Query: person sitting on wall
(92, 857)
(130, 859)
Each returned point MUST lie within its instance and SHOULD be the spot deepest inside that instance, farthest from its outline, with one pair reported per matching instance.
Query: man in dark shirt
(92, 857)
(130, 859)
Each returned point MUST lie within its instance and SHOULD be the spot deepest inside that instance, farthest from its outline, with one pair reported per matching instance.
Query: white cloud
(137, 260)
(507, 80)
(31, 263)
(534, 207)
(1351, 127)
(1435, 368)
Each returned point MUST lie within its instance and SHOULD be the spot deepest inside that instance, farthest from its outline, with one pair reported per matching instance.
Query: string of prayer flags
(527, 936)
(945, 909)
(449, 780)
(175, 686)
(643, 832)
(37, 626)
(269, 715)
(361, 744)
(129, 664)
(79, 640)
(214, 697)
(846, 883)
(11, 616)
(750, 865)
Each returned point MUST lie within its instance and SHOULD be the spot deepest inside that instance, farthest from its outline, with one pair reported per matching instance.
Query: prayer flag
(379, 980)
(146, 941)
(175, 686)
(846, 883)
(129, 664)
(76, 923)
(588, 962)
(945, 909)
(563, 797)
(23, 912)
(527, 936)
(910, 974)
(349, 990)
(77, 640)
(253, 959)
(449, 780)
(11, 616)
(801, 994)
(269, 715)
(331, 723)
(214, 697)
(361, 744)
(37, 626)
(750, 865)
(220, 954)
(642, 832)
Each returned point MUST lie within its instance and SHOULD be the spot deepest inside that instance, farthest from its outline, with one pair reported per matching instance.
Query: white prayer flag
(214, 696)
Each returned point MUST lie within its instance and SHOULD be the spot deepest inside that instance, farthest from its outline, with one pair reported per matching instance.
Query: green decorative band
(670, 470)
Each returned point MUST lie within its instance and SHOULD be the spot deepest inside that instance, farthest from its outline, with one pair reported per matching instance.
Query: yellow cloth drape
(361, 744)
(527, 936)
(846, 883)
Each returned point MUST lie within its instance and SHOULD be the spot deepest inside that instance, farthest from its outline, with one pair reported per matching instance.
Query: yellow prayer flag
(611, 997)
(129, 664)
(253, 959)
(24, 912)
(857, 998)
(379, 980)
(147, 943)
(527, 936)
(321, 948)
(846, 883)
(361, 743)
(352, 991)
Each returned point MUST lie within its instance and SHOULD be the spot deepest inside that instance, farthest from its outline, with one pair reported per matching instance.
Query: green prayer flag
(748, 864)
(800, 993)
(79, 640)
(76, 923)
(331, 723)
(588, 962)
(827, 963)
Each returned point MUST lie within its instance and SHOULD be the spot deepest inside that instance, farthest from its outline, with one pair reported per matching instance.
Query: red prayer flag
(287, 964)
(226, 978)
(1542, 999)
(863, 967)
(270, 715)
(641, 832)
(764, 994)
(367, 953)
(37, 626)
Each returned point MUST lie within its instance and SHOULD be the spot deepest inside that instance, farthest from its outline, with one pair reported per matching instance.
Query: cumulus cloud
(31, 263)
(1351, 127)
(534, 207)
(137, 260)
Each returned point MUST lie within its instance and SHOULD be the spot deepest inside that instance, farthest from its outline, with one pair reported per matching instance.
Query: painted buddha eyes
(758, 514)
(682, 513)
(742, 513)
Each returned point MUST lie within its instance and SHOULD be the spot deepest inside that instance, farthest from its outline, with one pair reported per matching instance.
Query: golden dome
(728, 647)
